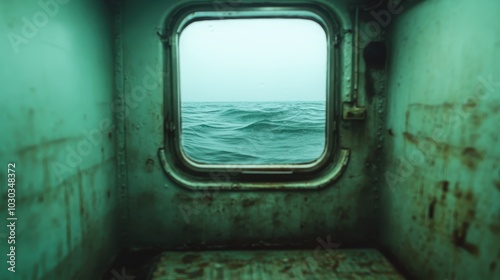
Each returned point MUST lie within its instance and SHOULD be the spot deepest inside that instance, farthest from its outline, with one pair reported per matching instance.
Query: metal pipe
(356, 59)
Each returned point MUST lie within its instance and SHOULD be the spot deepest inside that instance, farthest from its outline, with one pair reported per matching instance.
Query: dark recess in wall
(375, 54)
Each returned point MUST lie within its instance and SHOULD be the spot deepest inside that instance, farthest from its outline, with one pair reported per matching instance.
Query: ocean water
(253, 132)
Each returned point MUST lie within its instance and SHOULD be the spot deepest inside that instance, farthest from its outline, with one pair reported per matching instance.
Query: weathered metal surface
(165, 215)
(275, 265)
(56, 87)
(440, 190)
(441, 205)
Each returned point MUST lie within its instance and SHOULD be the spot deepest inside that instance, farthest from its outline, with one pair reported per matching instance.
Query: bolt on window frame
(190, 174)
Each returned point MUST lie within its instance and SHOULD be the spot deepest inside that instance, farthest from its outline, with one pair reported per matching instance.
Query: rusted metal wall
(56, 97)
(441, 201)
(163, 214)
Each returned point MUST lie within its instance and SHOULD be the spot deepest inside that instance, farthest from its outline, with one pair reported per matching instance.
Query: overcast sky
(253, 60)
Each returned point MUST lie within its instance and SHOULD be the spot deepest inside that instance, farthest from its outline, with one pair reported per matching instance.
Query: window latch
(169, 125)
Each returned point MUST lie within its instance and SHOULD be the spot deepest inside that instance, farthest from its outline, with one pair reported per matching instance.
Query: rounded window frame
(188, 173)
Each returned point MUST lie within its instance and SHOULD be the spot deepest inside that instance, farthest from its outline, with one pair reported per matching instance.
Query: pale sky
(253, 60)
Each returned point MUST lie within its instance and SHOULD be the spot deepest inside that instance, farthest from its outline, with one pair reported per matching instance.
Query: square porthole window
(253, 91)
(252, 97)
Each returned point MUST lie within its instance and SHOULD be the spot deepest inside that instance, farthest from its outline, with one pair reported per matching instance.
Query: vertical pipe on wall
(356, 60)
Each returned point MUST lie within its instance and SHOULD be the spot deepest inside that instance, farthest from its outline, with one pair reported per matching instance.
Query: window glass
(253, 91)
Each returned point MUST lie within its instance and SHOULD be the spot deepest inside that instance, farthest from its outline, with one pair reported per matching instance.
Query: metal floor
(275, 265)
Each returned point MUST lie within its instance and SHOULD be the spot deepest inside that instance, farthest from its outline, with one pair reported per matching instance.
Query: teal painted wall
(164, 215)
(441, 210)
(423, 179)
(56, 96)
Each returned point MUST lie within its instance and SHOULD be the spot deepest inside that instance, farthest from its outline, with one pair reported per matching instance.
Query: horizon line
(232, 101)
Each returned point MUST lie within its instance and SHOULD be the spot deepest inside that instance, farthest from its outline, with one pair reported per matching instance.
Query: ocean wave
(253, 133)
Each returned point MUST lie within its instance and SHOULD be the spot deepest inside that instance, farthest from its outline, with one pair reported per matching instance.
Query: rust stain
(193, 275)
(471, 213)
(285, 269)
(197, 199)
(407, 118)
(410, 138)
(68, 219)
(335, 265)
(458, 193)
(469, 105)
(459, 238)
(471, 157)
(203, 264)
(236, 265)
(446, 106)
(421, 190)
(248, 202)
(443, 148)
(497, 184)
(444, 185)
(189, 258)
(469, 196)
(208, 198)
(493, 265)
(159, 272)
(496, 108)
(150, 164)
(495, 229)
(477, 119)
(432, 208)
(180, 270)
(80, 195)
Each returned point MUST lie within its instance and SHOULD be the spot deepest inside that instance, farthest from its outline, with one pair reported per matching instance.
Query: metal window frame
(193, 175)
